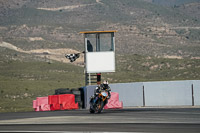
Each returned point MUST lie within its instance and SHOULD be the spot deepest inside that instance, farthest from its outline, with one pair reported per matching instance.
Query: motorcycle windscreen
(104, 94)
(99, 62)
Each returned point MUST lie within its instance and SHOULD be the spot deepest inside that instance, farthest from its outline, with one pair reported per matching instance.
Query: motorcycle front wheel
(92, 111)
(100, 106)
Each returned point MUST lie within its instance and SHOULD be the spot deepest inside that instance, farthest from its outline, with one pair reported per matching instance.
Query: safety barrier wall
(163, 93)
(89, 91)
(129, 93)
(172, 93)
(196, 93)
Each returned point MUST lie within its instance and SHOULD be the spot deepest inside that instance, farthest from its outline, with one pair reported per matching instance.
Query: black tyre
(80, 105)
(77, 98)
(82, 97)
(76, 92)
(62, 91)
(92, 111)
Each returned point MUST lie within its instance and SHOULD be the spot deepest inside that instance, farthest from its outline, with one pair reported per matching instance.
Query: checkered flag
(72, 57)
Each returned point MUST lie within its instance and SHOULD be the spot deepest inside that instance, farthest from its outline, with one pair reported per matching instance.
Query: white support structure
(99, 52)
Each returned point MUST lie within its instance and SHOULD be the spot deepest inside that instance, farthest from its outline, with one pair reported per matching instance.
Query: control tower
(99, 54)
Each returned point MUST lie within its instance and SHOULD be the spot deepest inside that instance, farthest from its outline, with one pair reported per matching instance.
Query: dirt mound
(49, 54)
(65, 7)
(10, 46)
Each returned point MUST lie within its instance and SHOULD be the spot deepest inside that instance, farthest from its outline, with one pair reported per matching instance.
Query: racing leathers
(102, 87)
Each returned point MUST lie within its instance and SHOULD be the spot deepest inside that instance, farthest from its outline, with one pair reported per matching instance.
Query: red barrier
(54, 102)
(113, 102)
(67, 101)
(41, 104)
(62, 102)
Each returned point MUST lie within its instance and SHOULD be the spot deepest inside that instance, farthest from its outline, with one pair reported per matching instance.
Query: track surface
(181, 120)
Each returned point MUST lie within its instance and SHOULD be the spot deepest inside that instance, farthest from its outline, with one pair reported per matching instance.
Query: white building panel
(99, 62)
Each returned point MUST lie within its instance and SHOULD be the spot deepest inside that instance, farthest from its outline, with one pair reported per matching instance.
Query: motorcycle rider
(103, 86)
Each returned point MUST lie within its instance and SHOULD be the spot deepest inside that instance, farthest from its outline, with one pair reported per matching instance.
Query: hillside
(156, 40)
(23, 81)
(173, 3)
(143, 28)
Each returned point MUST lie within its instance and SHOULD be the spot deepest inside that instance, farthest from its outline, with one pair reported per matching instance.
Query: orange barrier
(67, 101)
(113, 102)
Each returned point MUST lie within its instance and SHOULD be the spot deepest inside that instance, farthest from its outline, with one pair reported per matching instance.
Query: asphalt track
(169, 120)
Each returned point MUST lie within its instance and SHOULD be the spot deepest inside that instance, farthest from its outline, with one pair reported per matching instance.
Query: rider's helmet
(105, 84)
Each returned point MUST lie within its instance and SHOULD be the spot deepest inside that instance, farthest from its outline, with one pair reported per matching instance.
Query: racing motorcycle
(97, 103)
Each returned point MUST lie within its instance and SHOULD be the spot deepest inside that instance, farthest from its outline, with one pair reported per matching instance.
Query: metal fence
(164, 93)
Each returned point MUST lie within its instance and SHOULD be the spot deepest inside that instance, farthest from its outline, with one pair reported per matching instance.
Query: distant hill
(173, 2)
(144, 27)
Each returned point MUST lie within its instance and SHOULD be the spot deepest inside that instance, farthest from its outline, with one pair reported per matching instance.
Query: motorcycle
(97, 103)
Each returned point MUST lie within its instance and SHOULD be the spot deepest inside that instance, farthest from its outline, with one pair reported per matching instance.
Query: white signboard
(98, 62)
